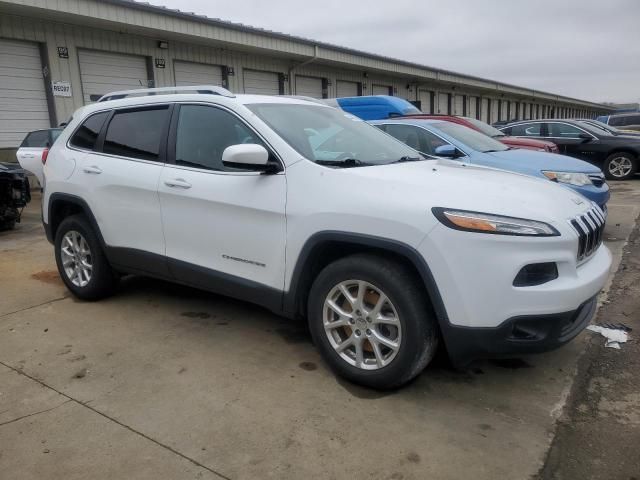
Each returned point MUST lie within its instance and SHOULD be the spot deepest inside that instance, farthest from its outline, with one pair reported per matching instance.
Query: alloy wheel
(620, 167)
(362, 325)
(76, 258)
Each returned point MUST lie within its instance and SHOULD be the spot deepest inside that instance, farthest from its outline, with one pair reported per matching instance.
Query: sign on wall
(61, 89)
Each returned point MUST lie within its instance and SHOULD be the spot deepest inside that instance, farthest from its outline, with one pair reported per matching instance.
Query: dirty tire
(103, 280)
(620, 166)
(406, 292)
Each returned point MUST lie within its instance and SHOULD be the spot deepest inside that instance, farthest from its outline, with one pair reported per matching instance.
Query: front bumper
(518, 335)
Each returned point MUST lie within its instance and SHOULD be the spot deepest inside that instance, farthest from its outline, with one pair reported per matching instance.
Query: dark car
(617, 155)
(14, 194)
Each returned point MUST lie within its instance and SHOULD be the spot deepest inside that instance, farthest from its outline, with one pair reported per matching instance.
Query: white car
(311, 212)
(34, 149)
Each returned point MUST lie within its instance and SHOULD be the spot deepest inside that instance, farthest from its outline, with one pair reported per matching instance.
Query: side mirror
(585, 137)
(248, 156)
(447, 151)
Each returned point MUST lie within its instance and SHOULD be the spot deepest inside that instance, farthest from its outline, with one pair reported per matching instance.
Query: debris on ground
(614, 336)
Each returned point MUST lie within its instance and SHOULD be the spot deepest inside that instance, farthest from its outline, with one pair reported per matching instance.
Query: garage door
(103, 72)
(261, 83)
(347, 89)
(425, 97)
(485, 110)
(494, 111)
(503, 110)
(473, 107)
(443, 103)
(459, 105)
(23, 101)
(190, 73)
(309, 86)
(381, 90)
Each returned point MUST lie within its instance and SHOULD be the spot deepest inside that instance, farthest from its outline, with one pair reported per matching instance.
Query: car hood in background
(538, 161)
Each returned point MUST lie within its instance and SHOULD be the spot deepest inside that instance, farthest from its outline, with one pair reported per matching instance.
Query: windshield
(485, 127)
(472, 139)
(602, 126)
(330, 136)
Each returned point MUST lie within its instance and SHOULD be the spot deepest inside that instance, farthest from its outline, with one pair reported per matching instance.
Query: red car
(515, 142)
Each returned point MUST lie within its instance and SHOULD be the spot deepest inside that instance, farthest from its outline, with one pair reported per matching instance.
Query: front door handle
(92, 170)
(177, 183)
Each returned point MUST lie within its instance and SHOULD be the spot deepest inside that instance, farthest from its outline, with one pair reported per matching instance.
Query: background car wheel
(370, 319)
(620, 166)
(81, 262)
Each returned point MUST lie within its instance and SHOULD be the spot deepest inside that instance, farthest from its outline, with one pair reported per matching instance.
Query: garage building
(57, 56)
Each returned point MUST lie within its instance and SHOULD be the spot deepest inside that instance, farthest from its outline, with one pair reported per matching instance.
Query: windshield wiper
(491, 151)
(346, 163)
(408, 159)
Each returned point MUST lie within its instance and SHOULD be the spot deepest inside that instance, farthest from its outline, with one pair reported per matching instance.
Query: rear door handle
(28, 155)
(92, 170)
(177, 183)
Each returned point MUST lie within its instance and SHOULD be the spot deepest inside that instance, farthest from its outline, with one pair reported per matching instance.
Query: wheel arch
(623, 149)
(328, 246)
(63, 205)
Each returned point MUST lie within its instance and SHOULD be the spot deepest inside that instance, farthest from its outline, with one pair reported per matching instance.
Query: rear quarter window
(86, 135)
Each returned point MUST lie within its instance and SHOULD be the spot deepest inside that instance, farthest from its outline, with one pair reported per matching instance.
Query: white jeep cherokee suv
(311, 212)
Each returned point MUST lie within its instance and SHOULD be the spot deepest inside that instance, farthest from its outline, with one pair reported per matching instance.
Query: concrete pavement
(163, 381)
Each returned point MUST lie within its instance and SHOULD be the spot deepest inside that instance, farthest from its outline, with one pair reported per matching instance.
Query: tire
(416, 337)
(7, 225)
(102, 281)
(620, 166)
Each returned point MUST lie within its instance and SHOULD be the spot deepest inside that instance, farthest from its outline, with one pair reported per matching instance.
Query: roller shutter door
(347, 89)
(459, 105)
(425, 100)
(23, 101)
(503, 112)
(494, 111)
(381, 90)
(485, 110)
(190, 73)
(309, 86)
(443, 103)
(473, 107)
(261, 83)
(103, 72)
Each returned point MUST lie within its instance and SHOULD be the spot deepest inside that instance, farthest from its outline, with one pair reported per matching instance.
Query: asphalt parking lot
(163, 381)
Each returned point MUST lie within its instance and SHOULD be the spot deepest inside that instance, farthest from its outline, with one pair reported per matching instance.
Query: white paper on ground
(614, 337)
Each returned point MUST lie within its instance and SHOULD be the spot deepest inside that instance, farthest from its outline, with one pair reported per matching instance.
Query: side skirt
(150, 264)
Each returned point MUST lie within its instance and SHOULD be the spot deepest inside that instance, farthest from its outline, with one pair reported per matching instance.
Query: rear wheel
(81, 262)
(620, 166)
(371, 322)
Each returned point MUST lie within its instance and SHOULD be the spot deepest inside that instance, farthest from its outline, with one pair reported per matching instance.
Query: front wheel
(620, 166)
(370, 320)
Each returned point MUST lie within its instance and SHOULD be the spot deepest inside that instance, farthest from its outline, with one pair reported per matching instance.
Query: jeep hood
(451, 184)
(538, 161)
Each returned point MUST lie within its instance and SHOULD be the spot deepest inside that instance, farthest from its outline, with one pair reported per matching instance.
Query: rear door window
(527, 130)
(562, 130)
(37, 139)
(137, 133)
(86, 135)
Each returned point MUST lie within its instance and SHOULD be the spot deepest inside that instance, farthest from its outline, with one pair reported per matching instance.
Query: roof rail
(202, 89)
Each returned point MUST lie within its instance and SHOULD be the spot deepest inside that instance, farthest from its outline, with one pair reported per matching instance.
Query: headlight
(577, 179)
(495, 224)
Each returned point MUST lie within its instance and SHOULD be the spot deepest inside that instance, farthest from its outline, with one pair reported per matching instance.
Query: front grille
(590, 228)
(597, 179)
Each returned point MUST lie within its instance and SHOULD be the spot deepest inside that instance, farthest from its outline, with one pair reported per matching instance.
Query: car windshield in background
(474, 140)
(331, 137)
(485, 127)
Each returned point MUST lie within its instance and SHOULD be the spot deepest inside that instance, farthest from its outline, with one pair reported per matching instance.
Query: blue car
(446, 139)
(374, 107)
